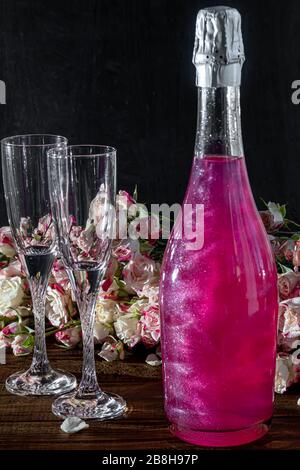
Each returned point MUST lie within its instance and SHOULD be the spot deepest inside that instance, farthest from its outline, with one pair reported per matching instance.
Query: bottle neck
(219, 122)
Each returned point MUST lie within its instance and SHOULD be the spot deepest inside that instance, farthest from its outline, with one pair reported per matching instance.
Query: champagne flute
(24, 167)
(82, 181)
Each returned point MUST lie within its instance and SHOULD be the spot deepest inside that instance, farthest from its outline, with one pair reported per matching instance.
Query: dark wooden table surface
(27, 423)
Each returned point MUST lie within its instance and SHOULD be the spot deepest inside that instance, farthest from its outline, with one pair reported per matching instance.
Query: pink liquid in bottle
(219, 314)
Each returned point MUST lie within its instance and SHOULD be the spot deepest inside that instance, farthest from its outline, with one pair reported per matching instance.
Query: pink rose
(86, 239)
(11, 329)
(295, 292)
(146, 227)
(287, 250)
(289, 318)
(125, 196)
(151, 289)
(284, 343)
(4, 340)
(69, 337)
(111, 269)
(122, 253)
(276, 245)
(75, 233)
(287, 283)
(59, 273)
(109, 289)
(270, 221)
(44, 224)
(19, 347)
(150, 326)
(296, 254)
(125, 249)
(139, 272)
(7, 247)
(44, 233)
(13, 269)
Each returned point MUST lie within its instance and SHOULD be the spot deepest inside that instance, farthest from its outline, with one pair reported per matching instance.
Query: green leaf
(288, 221)
(263, 201)
(28, 329)
(277, 211)
(282, 210)
(29, 342)
(135, 193)
(284, 269)
(295, 236)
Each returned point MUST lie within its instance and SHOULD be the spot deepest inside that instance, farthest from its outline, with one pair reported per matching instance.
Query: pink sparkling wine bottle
(219, 300)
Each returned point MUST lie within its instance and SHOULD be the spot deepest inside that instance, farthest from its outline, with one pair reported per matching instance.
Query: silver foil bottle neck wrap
(218, 52)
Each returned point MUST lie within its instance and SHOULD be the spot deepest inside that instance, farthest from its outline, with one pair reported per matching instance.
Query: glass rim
(106, 150)
(9, 141)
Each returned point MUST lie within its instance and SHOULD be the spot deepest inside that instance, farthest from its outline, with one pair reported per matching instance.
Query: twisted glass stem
(86, 286)
(38, 268)
(40, 363)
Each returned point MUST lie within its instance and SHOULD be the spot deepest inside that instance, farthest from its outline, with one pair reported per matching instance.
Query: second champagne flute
(82, 181)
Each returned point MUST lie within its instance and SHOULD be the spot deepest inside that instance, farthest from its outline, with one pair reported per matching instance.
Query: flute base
(54, 382)
(102, 407)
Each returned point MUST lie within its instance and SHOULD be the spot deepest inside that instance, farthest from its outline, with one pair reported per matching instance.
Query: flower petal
(153, 360)
(73, 424)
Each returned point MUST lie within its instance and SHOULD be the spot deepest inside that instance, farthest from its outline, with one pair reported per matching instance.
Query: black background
(120, 72)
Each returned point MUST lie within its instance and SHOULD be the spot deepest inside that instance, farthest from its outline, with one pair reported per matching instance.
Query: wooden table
(27, 423)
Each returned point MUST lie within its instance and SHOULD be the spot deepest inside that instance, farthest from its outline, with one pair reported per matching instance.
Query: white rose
(107, 311)
(112, 350)
(285, 373)
(98, 206)
(7, 250)
(152, 292)
(140, 272)
(101, 332)
(55, 308)
(11, 292)
(6, 242)
(126, 328)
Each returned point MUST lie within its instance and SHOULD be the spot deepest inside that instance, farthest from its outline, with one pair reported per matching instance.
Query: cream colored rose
(11, 292)
(98, 207)
(7, 250)
(55, 308)
(285, 373)
(101, 332)
(107, 311)
(126, 328)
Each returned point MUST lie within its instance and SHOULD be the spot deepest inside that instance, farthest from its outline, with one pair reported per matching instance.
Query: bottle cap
(218, 52)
